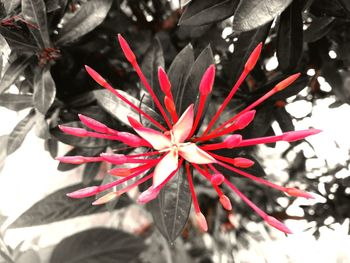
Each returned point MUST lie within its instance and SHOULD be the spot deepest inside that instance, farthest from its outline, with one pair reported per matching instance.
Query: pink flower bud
(130, 56)
(298, 135)
(299, 193)
(93, 124)
(72, 159)
(169, 105)
(286, 82)
(79, 132)
(85, 192)
(114, 158)
(96, 77)
(217, 179)
(277, 224)
(134, 123)
(132, 139)
(202, 222)
(207, 81)
(233, 140)
(106, 198)
(164, 82)
(148, 195)
(225, 202)
(245, 119)
(253, 58)
(242, 162)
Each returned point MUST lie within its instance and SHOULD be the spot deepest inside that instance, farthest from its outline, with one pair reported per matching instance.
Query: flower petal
(157, 139)
(165, 167)
(183, 126)
(193, 154)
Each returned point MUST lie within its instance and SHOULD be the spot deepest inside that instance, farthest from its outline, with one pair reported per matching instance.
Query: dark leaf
(330, 8)
(290, 37)
(16, 102)
(121, 110)
(19, 133)
(34, 12)
(14, 70)
(98, 245)
(184, 2)
(319, 27)
(51, 145)
(255, 13)
(90, 15)
(200, 13)
(90, 172)
(244, 46)
(151, 61)
(17, 41)
(52, 5)
(170, 210)
(44, 91)
(57, 206)
(28, 256)
(178, 73)
(284, 120)
(87, 142)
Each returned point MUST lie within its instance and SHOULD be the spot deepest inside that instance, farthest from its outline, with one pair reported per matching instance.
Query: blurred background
(45, 45)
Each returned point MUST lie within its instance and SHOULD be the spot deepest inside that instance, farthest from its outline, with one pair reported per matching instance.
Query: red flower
(167, 148)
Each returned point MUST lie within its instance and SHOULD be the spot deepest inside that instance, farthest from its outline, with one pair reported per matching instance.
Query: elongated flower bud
(299, 193)
(85, 192)
(253, 58)
(106, 198)
(217, 179)
(164, 82)
(286, 82)
(233, 140)
(130, 56)
(242, 162)
(298, 135)
(123, 172)
(79, 132)
(96, 77)
(245, 119)
(225, 202)
(94, 124)
(202, 222)
(114, 158)
(77, 159)
(207, 81)
(277, 224)
(148, 195)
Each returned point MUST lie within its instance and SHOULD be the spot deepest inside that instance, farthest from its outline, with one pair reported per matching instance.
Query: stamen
(253, 58)
(101, 81)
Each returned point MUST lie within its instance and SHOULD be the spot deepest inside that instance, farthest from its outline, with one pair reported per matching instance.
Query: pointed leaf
(44, 91)
(178, 73)
(19, 133)
(255, 13)
(3, 150)
(90, 172)
(57, 206)
(200, 12)
(320, 26)
(16, 102)
(121, 111)
(10, 5)
(34, 12)
(28, 256)
(284, 120)
(90, 15)
(290, 37)
(14, 70)
(170, 210)
(98, 245)
(17, 41)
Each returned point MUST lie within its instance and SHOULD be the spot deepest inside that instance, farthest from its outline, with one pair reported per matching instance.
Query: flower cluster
(168, 148)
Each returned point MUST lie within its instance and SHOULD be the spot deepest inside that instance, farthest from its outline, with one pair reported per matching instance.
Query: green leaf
(98, 245)
(34, 12)
(16, 102)
(57, 206)
(170, 210)
(200, 12)
(120, 110)
(19, 133)
(255, 13)
(44, 91)
(14, 70)
(87, 18)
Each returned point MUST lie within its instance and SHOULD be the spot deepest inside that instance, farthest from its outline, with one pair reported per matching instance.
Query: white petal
(183, 126)
(165, 167)
(193, 154)
(157, 139)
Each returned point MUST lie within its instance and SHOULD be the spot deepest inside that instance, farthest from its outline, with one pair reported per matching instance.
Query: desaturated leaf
(57, 206)
(87, 18)
(51, 145)
(17, 41)
(244, 46)
(3, 150)
(284, 120)
(10, 5)
(178, 73)
(19, 133)
(90, 172)
(121, 110)
(319, 27)
(151, 61)
(34, 12)
(41, 127)
(85, 142)
(14, 70)
(28, 256)
(170, 210)
(255, 13)
(44, 91)
(98, 245)
(200, 12)
(16, 102)
(290, 37)
(184, 2)
(52, 5)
